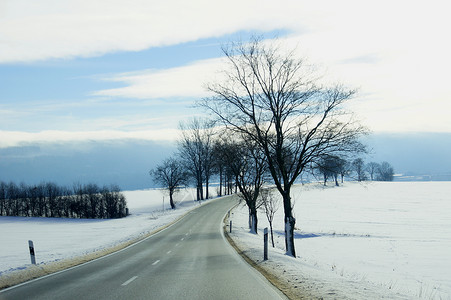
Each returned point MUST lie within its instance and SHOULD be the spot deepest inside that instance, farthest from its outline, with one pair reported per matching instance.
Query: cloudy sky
(92, 70)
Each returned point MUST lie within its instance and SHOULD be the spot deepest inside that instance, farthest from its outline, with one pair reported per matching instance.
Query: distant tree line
(331, 167)
(50, 200)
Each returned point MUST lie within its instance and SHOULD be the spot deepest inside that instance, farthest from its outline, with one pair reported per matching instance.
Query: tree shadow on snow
(300, 235)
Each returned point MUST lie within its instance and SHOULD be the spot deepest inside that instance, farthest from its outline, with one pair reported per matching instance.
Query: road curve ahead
(189, 260)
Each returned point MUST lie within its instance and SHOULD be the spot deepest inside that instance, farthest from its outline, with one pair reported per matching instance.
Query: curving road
(189, 260)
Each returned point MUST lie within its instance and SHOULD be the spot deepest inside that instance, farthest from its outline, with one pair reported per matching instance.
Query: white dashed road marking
(130, 280)
(155, 262)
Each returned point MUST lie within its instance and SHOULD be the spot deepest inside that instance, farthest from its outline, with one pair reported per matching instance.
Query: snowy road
(189, 260)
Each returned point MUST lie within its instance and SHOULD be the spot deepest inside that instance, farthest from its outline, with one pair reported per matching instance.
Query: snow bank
(357, 241)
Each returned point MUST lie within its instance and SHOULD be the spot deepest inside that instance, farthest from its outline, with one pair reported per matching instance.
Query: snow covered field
(368, 240)
(55, 239)
(357, 241)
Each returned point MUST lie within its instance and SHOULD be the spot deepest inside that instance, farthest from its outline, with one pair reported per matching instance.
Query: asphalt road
(189, 260)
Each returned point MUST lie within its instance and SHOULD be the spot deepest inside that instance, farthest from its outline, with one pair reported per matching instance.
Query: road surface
(189, 260)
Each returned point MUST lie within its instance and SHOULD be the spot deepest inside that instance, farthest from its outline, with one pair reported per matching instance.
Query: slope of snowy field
(55, 239)
(357, 241)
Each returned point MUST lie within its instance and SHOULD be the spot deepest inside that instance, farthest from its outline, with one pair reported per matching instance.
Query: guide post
(265, 244)
(32, 256)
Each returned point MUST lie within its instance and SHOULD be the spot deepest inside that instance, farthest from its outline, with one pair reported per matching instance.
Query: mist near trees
(124, 162)
(127, 162)
(332, 167)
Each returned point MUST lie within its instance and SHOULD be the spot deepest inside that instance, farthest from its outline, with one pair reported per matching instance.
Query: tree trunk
(206, 186)
(290, 221)
(272, 234)
(289, 236)
(200, 191)
(253, 220)
(171, 200)
(220, 182)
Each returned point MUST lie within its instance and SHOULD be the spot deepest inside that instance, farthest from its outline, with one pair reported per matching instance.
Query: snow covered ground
(357, 241)
(55, 239)
(362, 241)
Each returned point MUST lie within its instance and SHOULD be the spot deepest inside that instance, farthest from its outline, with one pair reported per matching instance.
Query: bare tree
(219, 166)
(330, 166)
(248, 164)
(345, 169)
(171, 176)
(3, 197)
(340, 167)
(358, 166)
(272, 97)
(385, 172)
(372, 168)
(52, 191)
(196, 149)
(271, 205)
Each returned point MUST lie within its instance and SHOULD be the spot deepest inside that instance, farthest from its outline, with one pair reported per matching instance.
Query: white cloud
(15, 138)
(396, 52)
(32, 31)
(184, 81)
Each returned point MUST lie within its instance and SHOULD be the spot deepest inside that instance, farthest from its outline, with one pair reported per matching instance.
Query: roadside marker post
(265, 244)
(32, 256)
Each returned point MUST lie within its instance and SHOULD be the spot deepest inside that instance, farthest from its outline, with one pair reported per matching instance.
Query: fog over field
(127, 162)
(123, 162)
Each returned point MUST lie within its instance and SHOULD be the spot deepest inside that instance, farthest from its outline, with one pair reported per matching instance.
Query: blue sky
(85, 70)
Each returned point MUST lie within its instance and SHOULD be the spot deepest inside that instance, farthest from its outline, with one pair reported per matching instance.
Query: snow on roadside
(361, 241)
(61, 238)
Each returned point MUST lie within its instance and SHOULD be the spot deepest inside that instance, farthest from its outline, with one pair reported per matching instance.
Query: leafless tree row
(274, 121)
(50, 200)
(334, 166)
(200, 156)
(276, 100)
